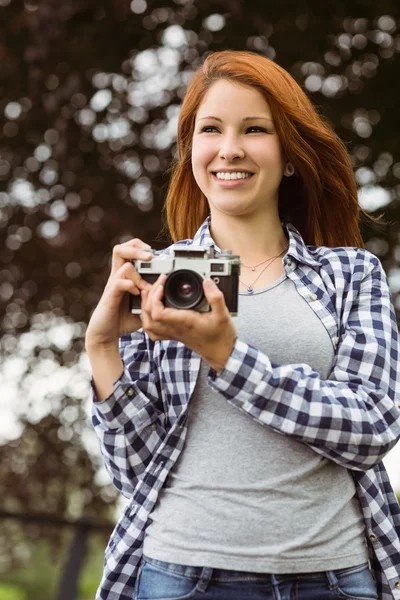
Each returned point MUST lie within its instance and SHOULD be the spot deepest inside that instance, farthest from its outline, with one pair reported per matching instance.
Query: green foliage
(11, 592)
(92, 570)
(38, 579)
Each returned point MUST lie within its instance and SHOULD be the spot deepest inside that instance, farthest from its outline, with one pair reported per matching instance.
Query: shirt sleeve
(353, 417)
(129, 423)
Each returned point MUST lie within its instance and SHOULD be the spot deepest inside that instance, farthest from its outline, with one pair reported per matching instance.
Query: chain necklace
(250, 288)
(259, 264)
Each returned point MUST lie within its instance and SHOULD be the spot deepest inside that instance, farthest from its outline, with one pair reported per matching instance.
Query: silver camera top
(202, 259)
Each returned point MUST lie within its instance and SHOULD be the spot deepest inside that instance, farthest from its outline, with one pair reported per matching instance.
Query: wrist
(220, 357)
(103, 347)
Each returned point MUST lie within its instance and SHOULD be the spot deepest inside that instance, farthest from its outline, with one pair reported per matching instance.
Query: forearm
(218, 357)
(129, 423)
(353, 423)
(107, 367)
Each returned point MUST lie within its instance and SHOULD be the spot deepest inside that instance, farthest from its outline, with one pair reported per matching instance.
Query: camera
(186, 269)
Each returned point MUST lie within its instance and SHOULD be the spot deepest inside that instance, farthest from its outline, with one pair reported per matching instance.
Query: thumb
(214, 295)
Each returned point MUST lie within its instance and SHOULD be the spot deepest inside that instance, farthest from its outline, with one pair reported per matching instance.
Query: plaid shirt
(351, 418)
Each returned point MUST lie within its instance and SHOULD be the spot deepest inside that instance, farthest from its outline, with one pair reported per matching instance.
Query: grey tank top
(244, 497)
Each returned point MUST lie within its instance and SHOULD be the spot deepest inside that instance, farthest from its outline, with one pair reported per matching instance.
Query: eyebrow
(244, 120)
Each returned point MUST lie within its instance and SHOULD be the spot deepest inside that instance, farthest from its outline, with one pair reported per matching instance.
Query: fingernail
(146, 246)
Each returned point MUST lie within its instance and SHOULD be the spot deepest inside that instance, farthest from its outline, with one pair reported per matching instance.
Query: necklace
(259, 264)
(250, 288)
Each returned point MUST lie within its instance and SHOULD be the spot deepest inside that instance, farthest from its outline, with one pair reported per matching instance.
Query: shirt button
(130, 392)
(397, 585)
(289, 262)
(373, 537)
(154, 426)
(335, 341)
(312, 297)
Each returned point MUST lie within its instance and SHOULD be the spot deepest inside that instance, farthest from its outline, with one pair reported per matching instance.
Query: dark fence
(68, 584)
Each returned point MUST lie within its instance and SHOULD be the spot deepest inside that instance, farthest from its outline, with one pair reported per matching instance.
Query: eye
(257, 130)
(208, 128)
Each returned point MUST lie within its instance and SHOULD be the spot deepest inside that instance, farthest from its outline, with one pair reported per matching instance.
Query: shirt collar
(297, 248)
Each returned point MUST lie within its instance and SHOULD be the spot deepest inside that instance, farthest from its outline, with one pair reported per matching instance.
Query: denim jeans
(159, 580)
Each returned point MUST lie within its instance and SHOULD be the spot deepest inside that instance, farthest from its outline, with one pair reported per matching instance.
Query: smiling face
(237, 159)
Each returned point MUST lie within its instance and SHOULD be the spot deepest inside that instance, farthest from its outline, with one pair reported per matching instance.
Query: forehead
(225, 96)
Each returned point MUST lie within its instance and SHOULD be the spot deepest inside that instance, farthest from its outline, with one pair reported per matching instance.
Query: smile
(229, 180)
(232, 175)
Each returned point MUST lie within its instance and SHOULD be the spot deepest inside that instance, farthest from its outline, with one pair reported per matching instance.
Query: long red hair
(320, 200)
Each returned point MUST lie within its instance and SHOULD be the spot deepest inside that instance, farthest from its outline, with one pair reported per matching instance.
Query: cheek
(202, 156)
(270, 155)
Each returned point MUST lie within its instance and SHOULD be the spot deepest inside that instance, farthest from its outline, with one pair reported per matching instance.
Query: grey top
(242, 496)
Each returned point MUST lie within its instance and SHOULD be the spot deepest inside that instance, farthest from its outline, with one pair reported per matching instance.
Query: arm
(130, 422)
(126, 399)
(352, 418)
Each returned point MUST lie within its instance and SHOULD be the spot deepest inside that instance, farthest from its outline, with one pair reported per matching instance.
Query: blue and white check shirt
(352, 418)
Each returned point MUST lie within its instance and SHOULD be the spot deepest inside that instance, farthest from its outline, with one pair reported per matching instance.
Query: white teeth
(233, 175)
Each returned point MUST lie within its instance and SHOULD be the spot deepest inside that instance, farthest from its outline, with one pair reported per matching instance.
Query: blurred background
(90, 92)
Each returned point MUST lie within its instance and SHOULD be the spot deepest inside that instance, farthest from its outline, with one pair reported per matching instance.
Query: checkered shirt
(351, 418)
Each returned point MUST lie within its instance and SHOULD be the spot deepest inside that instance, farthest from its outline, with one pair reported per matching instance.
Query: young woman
(251, 446)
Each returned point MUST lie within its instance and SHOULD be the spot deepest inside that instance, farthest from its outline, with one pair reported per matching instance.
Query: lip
(230, 183)
(223, 170)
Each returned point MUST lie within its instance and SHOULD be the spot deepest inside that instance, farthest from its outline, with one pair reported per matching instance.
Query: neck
(254, 240)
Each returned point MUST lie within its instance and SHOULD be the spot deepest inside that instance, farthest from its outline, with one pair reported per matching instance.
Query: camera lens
(183, 289)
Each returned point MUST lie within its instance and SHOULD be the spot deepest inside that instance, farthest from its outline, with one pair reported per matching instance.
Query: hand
(112, 318)
(212, 334)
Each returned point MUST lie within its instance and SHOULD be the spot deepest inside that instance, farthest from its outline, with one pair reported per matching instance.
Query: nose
(231, 148)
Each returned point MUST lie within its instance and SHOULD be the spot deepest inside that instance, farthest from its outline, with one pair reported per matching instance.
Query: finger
(128, 271)
(158, 307)
(114, 293)
(154, 329)
(215, 298)
(158, 287)
(133, 250)
(148, 301)
(144, 294)
(144, 317)
(155, 306)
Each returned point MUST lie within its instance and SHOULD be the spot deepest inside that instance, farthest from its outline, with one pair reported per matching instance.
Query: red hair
(320, 200)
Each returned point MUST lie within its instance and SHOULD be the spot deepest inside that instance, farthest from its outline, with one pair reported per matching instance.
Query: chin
(234, 211)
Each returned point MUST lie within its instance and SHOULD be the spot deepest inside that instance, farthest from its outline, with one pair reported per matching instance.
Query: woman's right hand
(112, 317)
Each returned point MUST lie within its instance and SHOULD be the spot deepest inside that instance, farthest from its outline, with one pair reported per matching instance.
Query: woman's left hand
(211, 334)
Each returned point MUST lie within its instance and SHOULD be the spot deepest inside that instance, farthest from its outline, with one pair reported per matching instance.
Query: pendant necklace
(250, 288)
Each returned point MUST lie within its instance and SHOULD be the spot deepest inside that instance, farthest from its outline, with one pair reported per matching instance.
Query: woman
(251, 447)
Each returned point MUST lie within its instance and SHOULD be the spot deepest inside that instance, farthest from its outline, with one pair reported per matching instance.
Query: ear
(289, 170)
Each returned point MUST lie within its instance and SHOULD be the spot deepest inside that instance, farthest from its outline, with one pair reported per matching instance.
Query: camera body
(186, 269)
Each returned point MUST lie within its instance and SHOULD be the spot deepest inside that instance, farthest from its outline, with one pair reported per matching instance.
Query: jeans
(159, 580)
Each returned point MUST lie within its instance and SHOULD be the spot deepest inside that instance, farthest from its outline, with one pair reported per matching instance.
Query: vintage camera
(186, 268)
